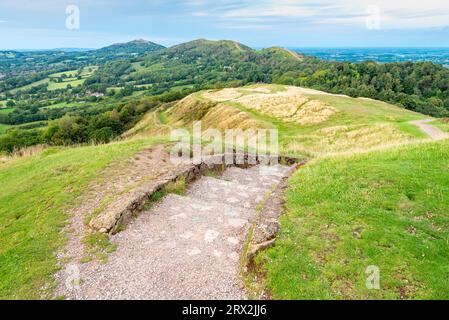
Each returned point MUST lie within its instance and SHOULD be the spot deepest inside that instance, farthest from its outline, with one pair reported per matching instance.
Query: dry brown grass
(279, 106)
(148, 126)
(344, 140)
(314, 112)
(259, 89)
(224, 117)
(23, 153)
(189, 109)
(290, 105)
(222, 95)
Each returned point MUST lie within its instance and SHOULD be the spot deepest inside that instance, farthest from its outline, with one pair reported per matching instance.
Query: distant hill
(136, 47)
(203, 64)
(198, 64)
(25, 62)
(311, 123)
(144, 66)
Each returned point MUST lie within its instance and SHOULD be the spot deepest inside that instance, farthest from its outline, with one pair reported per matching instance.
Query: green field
(6, 110)
(64, 105)
(35, 192)
(31, 85)
(69, 74)
(63, 85)
(387, 209)
(72, 80)
(4, 127)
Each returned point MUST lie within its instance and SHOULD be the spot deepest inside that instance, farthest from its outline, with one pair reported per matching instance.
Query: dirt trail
(116, 179)
(184, 247)
(433, 132)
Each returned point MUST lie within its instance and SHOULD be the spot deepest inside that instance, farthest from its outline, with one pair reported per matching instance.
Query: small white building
(94, 94)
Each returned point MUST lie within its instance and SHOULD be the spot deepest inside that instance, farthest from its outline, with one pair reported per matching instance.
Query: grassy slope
(443, 124)
(32, 215)
(6, 110)
(33, 195)
(360, 124)
(31, 85)
(387, 209)
(62, 85)
(4, 127)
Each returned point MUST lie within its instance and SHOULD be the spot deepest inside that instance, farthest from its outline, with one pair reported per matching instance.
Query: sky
(44, 24)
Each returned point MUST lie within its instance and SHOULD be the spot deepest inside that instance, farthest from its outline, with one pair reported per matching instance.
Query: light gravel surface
(184, 247)
(433, 132)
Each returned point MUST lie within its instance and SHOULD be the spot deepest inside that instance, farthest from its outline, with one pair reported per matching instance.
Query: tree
(10, 104)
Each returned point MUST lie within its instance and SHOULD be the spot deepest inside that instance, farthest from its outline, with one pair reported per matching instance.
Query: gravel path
(433, 132)
(184, 247)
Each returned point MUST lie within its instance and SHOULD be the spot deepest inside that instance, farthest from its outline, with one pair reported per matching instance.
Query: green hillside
(387, 209)
(35, 193)
(310, 123)
(135, 47)
(373, 194)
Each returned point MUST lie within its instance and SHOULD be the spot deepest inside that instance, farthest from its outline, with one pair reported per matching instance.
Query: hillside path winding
(185, 247)
(433, 132)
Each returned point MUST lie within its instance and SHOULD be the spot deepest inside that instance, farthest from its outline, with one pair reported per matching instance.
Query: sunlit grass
(388, 209)
(35, 192)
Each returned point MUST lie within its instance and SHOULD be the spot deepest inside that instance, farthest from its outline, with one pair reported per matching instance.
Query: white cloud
(246, 27)
(399, 14)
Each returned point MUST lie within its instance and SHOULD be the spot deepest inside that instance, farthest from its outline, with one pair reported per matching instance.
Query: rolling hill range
(22, 62)
(90, 84)
(54, 182)
(199, 64)
(85, 138)
(311, 123)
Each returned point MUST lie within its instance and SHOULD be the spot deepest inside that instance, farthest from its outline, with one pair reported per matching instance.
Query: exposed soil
(116, 180)
(184, 247)
(433, 132)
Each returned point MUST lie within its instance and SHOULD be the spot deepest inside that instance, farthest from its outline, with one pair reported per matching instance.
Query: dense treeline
(83, 127)
(14, 63)
(170, 74)
(35, 111)
(421, 87)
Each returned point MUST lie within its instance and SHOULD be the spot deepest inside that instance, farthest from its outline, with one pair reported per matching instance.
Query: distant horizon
(56, 48)
(48, 24)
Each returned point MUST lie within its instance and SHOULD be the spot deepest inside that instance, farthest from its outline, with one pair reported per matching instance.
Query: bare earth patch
(291, 105)
(222, 95)
(433, 132)
(183, 247)
(117, 180)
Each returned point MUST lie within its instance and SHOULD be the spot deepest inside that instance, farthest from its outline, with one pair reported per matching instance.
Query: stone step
(175, 209)
(185, 247)
(254, 177)
(278, 171)
(229, 192)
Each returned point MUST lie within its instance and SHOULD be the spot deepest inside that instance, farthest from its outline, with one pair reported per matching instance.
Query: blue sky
(34, 24)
